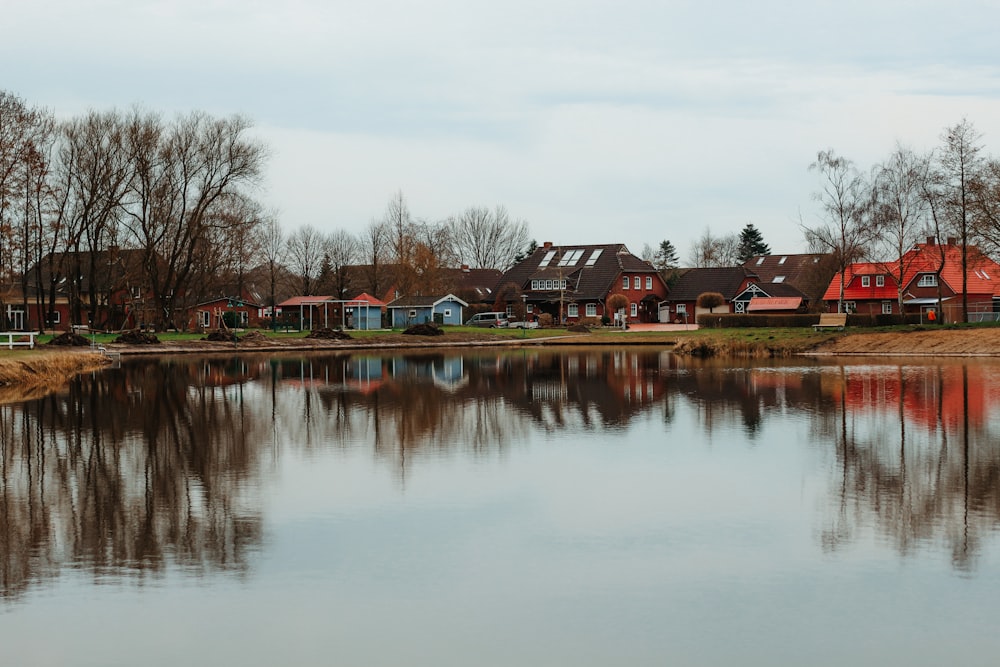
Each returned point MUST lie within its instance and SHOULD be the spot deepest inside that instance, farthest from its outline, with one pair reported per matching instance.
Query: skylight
(548, 258)
(778, 279)
(571, 258)
(760, 260)
(593, 257)
(782, 260)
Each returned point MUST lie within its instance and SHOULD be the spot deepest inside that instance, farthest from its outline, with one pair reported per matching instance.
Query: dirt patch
(220, 336)
(424, 330)
(920, 342)
(71, 339)
(329, 334)
(137, 338)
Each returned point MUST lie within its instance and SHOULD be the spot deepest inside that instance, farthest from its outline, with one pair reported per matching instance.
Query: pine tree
(665, 260)
(751, 243)
(665, 257)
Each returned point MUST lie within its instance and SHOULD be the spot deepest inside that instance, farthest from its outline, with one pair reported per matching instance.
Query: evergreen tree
(665, 260)
(751, 244)
(526, 253)
(665, 257)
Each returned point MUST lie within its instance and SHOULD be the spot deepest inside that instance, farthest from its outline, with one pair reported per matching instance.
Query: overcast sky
(597, 122)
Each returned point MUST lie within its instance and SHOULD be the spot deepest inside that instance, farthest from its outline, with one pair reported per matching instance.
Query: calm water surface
(577, 507)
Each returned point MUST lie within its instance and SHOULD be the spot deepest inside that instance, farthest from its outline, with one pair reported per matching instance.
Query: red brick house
(574, 282)
(108, 293)
(209, 315)
(930, 270)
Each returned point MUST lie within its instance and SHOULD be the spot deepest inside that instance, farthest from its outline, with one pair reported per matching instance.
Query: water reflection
(165, 464)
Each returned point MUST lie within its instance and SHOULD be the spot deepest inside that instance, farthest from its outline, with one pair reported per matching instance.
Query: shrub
(545, 320)
(710, 300)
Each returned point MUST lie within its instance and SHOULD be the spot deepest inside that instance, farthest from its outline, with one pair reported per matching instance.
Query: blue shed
(409, 310)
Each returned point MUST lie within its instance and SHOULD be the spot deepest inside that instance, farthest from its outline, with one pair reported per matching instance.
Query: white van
(491, 320)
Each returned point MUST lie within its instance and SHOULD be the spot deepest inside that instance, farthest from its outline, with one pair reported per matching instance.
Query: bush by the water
(424, 330)
(70, 338)
(329, 334)
(136, 337)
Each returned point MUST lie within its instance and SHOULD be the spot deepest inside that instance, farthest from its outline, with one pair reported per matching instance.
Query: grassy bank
(26, 374)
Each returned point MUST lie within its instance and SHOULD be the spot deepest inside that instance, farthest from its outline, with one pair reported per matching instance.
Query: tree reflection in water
(163, 463)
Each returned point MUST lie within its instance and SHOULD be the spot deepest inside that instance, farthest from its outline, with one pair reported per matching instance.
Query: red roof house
(873, 287)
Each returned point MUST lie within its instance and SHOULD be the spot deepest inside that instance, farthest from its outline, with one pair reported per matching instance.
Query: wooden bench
(831, 321)
(18, 339)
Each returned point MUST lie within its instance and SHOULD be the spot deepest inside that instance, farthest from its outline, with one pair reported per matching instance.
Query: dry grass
(30, 375)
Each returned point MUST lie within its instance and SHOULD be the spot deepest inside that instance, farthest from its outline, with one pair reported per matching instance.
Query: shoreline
(29, 373)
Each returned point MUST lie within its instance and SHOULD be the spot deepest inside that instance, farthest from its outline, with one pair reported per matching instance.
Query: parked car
(529, 324)
(491, 320)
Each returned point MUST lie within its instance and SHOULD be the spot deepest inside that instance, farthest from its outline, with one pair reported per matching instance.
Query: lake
(504, 507)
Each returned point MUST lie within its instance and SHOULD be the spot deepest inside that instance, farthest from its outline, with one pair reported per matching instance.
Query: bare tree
(488, 239)
(26, 135)
(900, 211)
(715, 251)
(342, 251)
(845, 197)
(95, 165)
(932, 188)
(305, 256)
(986, 201)
(183, 173)
(273, 250)
(960, 164)
(374, 250)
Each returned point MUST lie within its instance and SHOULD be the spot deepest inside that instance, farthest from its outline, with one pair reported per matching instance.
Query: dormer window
(927, 280)
(880, 281)
(866, 281)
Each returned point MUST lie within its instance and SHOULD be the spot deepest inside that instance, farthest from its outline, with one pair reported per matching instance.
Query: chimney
(931, 240)
(465, 268)
(547, 245)
(952, 240)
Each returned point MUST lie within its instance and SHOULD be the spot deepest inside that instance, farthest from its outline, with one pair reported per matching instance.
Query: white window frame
(850, 306)
(447, 312)
(634, 310)
(866, 281)
(927, 280)
(637, 282)
(573, 310)
(625, 282)
(887, 307)
(205, 318)
(649, 282)
(53, 317)
(681, 309)
(880, 281)
(591, 309)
